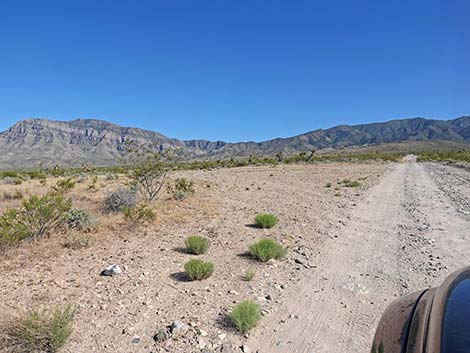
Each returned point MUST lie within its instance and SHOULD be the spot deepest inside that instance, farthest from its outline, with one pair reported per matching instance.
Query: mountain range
(31, 143)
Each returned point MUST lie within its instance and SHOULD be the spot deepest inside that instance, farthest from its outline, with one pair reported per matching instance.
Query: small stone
(227, 348)
(112, 270)
(136, 340)
(246, 349)
(160, 336)
(178, 326)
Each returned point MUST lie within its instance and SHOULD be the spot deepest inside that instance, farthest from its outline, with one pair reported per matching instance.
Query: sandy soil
(351, 251)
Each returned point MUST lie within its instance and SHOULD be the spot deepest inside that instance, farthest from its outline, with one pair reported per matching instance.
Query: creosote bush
(245, 316)
(44, 331)
(196, 244)
(34, 219)
(198, 270)
(266, 220)
(138, 215)
(267, 249)
(119, 200)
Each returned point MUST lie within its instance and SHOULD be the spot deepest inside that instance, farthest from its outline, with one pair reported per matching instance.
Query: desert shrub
(182, 188)
(245, 316)
(12, 229)
(267, 249)
(38, 331)
(92, 186)
(266, 220)
(64, 185)
(58, 171)
(149, 168)
(111, 177)
(196, 244)
(42, 214)
(77, 240)
(139, 215)
(37, 174)
(17, 195)
(36, 218)
(198, 270)
(119, 200)
(249, 274)
(79, 219)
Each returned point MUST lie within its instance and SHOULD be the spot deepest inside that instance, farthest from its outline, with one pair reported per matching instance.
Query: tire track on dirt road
(404, 236)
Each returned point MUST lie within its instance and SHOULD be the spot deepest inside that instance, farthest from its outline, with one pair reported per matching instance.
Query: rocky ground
(151, 307)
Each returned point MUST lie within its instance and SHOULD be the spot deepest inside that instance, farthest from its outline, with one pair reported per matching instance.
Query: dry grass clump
(249, 274)
(41, 331)
(77, 240)
(139, 215)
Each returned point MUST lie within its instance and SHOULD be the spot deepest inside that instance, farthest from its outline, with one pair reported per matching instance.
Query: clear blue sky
(234, 70)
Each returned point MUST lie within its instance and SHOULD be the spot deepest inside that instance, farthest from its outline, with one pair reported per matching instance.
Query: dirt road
(409, 232)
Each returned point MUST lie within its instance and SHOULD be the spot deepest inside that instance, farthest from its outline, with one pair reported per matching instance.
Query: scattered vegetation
(348, 183)
(39, 331)
(267, 249)
(198, 270)
(196, 245)
(79, 219)
(92, 186)
(119, 200)
(443, 156)
(138, 215)
(266, 220)
(245, 316)
(249, 274)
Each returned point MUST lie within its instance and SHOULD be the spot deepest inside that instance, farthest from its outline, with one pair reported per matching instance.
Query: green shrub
(9, 175)
(77, 240)
(249, 274)
(196, 244)
(198, 270)
(79, 219)
(36, 174)
(42, 214)
(92, 186)
(245, 316)
(266, 220)
(12, 229)
(139, 215)
(119, 200)
(64, 185)
(267, 249)
(39, 331)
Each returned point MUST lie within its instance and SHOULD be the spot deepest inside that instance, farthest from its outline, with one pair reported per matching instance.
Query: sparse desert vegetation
(95, 233)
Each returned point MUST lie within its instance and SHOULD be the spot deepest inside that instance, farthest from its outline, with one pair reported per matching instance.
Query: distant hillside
(34, 142)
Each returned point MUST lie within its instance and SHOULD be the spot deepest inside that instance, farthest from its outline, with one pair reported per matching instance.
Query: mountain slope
(34, 142)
